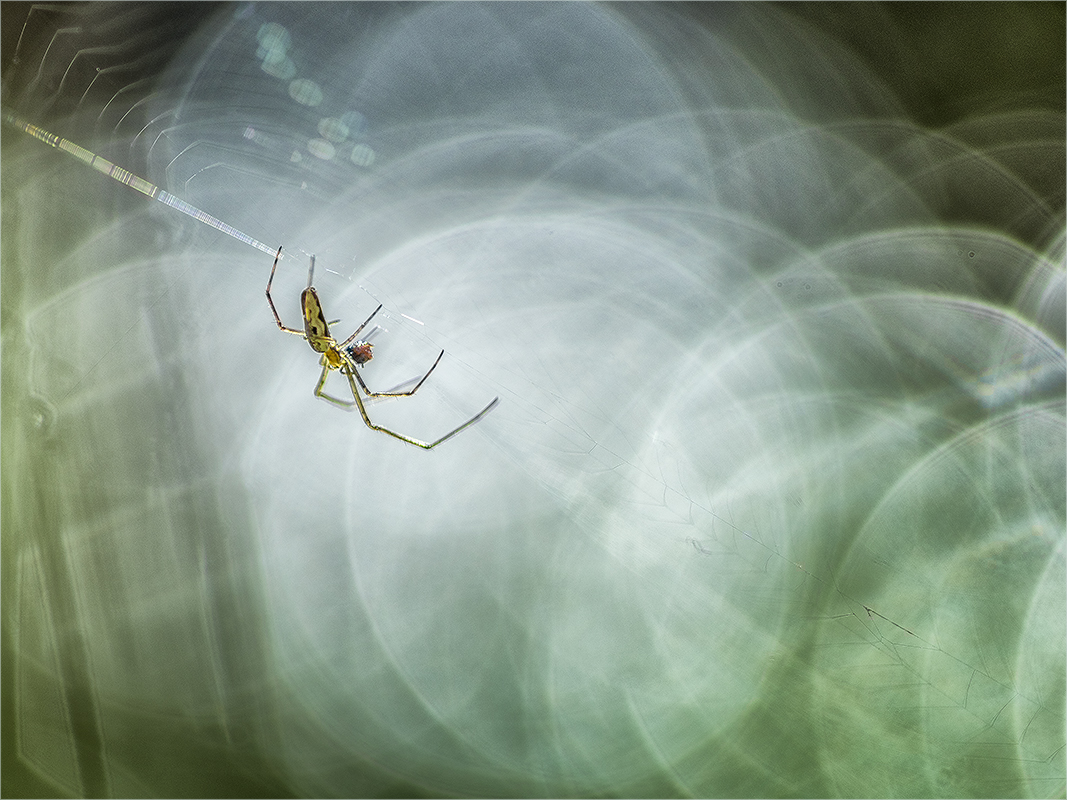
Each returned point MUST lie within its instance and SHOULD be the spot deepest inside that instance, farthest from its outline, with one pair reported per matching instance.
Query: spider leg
(350, 372)
(400, 394)
(320, 393)
(274, 311)
(468, 423)
(348, 341)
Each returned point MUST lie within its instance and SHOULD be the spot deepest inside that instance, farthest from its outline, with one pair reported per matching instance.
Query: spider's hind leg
(353, 376)
(408, 393)
(337, 401)
(270, 300)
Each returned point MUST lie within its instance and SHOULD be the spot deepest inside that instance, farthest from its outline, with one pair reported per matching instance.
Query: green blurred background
(163, 635)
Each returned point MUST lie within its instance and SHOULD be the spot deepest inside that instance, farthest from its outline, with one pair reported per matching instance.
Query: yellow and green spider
(348, 355)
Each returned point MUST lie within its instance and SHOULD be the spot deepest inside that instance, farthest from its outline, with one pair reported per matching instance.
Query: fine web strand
(127, 178)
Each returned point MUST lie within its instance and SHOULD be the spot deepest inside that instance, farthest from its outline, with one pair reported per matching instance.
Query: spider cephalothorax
(348, 354)
(332, 358)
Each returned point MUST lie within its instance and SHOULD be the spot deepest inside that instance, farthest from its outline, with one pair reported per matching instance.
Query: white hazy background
(773, 502)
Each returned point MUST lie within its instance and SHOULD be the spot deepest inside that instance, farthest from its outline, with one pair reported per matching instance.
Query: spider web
(773, 502)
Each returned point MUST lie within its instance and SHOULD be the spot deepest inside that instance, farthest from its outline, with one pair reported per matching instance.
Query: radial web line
(126, 177)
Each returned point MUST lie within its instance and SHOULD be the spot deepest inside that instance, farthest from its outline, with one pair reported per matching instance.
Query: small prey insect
(348, 355)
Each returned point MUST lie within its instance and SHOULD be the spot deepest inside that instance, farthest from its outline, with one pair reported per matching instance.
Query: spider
(350, 354)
